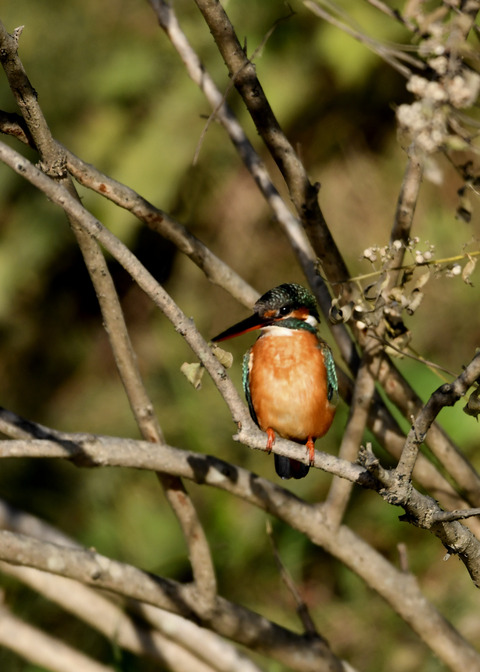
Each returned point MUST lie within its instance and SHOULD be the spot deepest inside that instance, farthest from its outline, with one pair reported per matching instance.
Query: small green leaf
(193, 373)
(224, 357)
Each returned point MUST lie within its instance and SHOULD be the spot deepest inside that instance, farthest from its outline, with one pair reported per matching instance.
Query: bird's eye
(284, 310)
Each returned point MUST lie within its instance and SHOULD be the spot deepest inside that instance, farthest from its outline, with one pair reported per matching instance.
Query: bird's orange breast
(288, 384)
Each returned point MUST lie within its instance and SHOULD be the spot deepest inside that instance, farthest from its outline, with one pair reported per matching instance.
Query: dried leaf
(371, 291)
(338, 313)
(422, 280)
(415, 301)
(193, 373)
(468, 270)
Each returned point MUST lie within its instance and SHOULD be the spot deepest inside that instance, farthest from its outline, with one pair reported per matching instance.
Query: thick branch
(303, 194)
(88, 450)
(111, 620)
(423, 511)
(232, 621)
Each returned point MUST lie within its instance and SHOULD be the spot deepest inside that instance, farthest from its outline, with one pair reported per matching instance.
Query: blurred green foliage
(114, 91)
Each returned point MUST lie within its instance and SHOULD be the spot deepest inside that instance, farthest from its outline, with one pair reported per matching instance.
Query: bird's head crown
(287, 301)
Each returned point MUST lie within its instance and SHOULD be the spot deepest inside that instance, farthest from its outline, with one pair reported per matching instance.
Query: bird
(289, 376)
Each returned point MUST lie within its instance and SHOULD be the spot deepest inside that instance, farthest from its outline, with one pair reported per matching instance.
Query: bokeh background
(115, 93)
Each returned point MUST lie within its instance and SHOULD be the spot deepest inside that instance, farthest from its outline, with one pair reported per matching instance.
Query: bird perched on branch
(289, 375)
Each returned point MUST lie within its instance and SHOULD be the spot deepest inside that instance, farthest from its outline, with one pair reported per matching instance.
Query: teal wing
(246, 384)
(332, 382)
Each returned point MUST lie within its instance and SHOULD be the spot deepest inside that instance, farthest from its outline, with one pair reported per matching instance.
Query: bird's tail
(287, 468)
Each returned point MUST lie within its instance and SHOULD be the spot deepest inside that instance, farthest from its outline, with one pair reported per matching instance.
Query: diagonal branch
(53, 162)
(230, 620)
(423, 511)
(304, 195)
(397, 587)
(117, 626)
(397, 388)
(216, 270)
(446, 395)
(43, 649)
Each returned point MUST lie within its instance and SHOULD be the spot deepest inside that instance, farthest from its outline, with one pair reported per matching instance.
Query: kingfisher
(289, 376)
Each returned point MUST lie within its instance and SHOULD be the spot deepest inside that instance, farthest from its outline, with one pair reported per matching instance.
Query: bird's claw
(270, 439)
(311, 451)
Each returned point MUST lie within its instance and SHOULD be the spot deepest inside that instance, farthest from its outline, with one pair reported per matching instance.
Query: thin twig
(412, 267)
(446, 395)
(446, 516)
(302, 609)
(339, 493)
(389, 54)
(217, 271)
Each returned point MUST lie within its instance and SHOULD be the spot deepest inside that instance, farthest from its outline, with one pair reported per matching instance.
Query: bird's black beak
(248, 324)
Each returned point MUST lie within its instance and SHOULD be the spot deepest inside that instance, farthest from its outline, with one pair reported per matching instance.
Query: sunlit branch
(53, 163)
(237, 623)
(446, 395)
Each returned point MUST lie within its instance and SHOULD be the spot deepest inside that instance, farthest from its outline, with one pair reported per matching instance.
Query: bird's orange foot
(311, 450)
(270, 439)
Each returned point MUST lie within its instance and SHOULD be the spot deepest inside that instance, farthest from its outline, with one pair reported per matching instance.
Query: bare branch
(53, 160)
(156, 219)
(362, 398)
(446, 395)
(302, 609)
(214, 268)
(398, 588)
(42, 649)
(232, 621)
(88, 450)
(111, 620)
(202, 643)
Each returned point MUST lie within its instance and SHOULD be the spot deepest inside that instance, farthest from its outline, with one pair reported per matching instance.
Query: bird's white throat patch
(274, 330)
